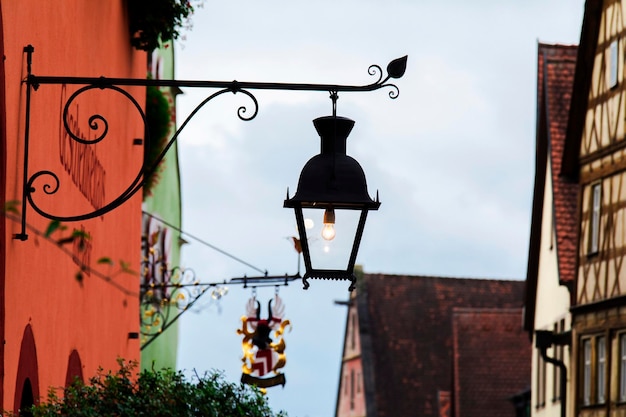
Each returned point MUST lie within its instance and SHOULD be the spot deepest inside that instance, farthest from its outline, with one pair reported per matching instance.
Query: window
(556, 370)
(541, 381)
(594, 363)
(613, 64)
(353, 331)
(601, 370)
(594, 225)
(622, 367)
(352, 389)
(586, 372)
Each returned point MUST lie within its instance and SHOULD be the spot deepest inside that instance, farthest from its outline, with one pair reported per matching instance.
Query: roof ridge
(443, 277)
(557, 45)
(508, 310)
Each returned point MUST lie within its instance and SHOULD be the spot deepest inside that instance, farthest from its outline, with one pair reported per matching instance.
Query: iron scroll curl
(375, 70)
(161, 298)
(98, 122)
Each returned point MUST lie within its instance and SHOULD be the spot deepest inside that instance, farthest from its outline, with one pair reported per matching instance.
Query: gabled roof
(555, 77)
(492, 360)
(406, 336)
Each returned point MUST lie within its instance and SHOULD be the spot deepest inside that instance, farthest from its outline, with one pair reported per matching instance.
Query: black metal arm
(98, 123)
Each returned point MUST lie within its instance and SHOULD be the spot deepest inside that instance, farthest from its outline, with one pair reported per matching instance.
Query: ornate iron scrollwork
(97, 122)
(167, 293)
(163, 301)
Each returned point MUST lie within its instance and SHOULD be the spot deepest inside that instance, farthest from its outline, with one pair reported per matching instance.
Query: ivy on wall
(158, 119)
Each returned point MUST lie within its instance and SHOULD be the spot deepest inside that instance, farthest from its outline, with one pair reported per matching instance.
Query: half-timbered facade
(595, 155)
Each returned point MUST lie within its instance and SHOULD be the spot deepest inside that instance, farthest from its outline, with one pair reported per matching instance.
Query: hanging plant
(158, 120)
(151, 21)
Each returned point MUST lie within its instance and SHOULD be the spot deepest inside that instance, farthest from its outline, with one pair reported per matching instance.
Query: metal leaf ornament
(261, 354)
(397, 67)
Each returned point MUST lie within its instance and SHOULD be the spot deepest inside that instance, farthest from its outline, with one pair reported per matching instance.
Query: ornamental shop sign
(263, 356)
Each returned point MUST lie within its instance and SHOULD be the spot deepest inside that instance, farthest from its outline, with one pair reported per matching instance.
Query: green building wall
(164, 202)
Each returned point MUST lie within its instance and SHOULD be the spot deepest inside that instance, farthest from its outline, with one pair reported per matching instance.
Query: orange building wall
(91, 318)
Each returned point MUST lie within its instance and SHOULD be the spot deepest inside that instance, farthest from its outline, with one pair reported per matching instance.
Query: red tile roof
(559, 62)
(406, 336)
(555, 77)
(492, 360)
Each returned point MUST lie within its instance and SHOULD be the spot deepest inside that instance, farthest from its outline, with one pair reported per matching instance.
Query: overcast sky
(452, 157)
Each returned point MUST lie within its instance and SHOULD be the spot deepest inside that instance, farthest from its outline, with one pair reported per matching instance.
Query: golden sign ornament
(263, 356)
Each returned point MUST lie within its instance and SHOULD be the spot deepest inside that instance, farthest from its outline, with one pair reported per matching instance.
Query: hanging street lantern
(331, 181)
(331, 204)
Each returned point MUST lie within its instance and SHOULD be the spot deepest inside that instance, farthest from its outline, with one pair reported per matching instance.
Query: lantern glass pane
(335, 253)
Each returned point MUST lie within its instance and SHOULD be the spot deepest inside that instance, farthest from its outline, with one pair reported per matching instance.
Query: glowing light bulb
(328, 232)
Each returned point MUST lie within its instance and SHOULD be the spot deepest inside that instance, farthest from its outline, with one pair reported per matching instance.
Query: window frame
(541, 382)
(613, 64)
(621, 389)
(587, 371)
(595, 217)
(352, 389)
(595, 358)
(559, 355)
(601, 369)
(353, 330)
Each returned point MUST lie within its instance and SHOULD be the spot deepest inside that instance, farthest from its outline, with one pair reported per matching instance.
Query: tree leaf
(125, 266)
(12, 206)
(396, 68)
(106, 260)
(80, 234)
(52, 227)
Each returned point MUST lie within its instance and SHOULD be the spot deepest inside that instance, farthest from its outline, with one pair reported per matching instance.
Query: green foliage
(164, 393)
(77, 235)
(158, 119)
(106, 260)
(12, 207)
(53, 226)
(151, 21)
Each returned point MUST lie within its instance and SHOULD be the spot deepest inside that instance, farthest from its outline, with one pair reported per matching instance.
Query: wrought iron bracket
(164, 302)
(100, 126)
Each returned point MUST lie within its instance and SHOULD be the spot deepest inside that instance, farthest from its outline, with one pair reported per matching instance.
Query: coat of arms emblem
(262, 355)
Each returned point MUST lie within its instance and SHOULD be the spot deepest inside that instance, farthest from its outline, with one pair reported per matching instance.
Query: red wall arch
(74, 368)
(27, 369)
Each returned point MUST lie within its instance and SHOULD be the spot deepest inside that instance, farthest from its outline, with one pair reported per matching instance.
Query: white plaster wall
(552, 303)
